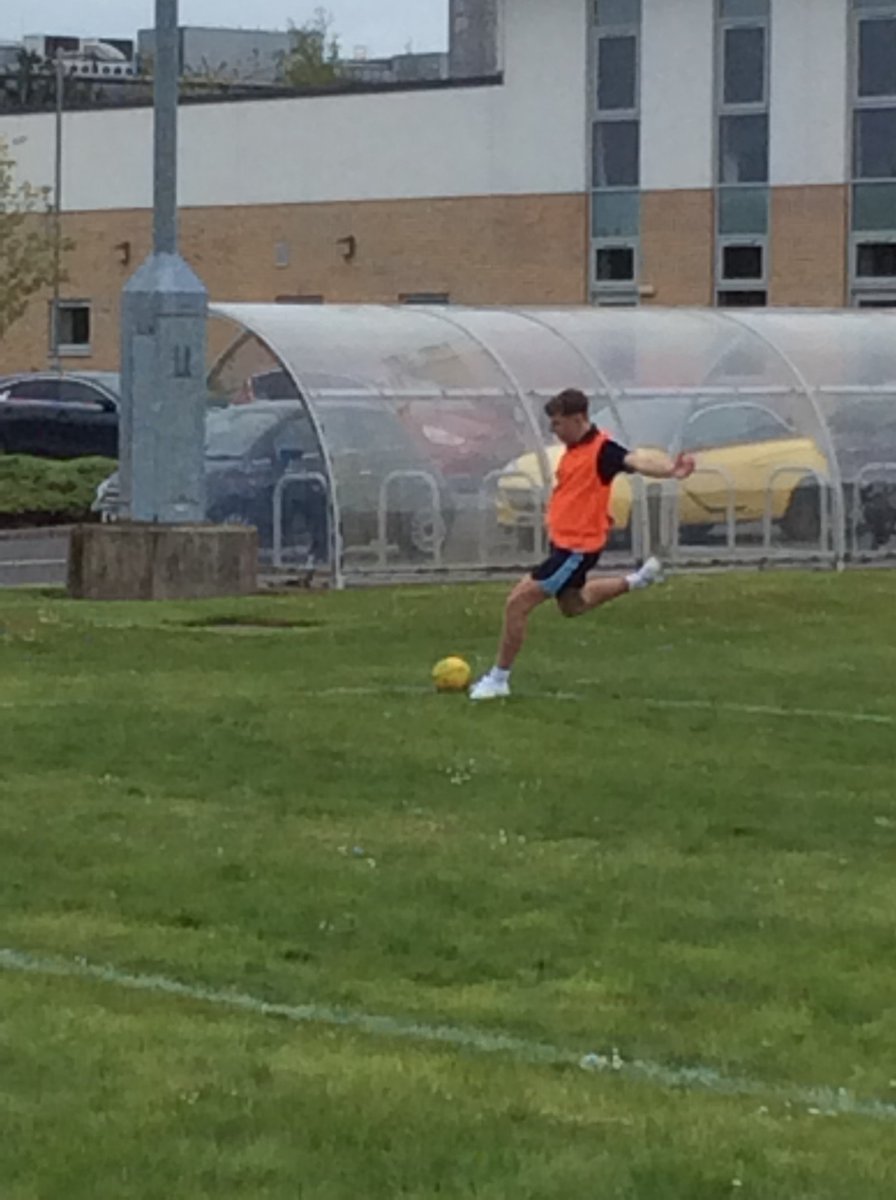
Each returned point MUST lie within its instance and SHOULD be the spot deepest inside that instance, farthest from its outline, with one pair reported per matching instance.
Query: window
(743, 148)
(739, 10)
(294, 439)
(299, 299)
(732, 425)
(44, 389)
(742, 262)
(875, 143)
(743, 66)
(616, 154)
(617, 300)
(873, 243)
(616, 214)
(71, 335)
(351, 428)
(876, 260)
(270, 385)
(71, 391)
(615, 264)
(617, 12)
(874, 206)
(877, 57)
(741, 299)
(743, 210)
(617, 73)
(234, 432)
(873, 209)
(425, 298)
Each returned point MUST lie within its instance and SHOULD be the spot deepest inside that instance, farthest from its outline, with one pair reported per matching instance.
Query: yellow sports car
(744, 450)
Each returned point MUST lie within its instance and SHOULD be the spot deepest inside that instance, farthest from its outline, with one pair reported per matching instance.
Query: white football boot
(650, 573)
(489, 688)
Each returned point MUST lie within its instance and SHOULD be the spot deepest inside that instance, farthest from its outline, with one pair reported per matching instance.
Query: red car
(466, 439)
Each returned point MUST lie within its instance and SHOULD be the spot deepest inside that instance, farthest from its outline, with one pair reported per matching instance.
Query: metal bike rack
(383, 513)
(286, 481)
(824, 514)
(488, 495)
(879, 469)
(673, 499)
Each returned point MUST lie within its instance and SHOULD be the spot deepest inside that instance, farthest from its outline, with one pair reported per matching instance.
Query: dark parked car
(863, 430)
(249, 447)
(53, 415)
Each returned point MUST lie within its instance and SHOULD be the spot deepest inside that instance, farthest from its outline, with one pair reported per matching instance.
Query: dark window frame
(73, 347)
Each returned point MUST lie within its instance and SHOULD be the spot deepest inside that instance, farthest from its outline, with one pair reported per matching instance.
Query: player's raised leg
(597, 592)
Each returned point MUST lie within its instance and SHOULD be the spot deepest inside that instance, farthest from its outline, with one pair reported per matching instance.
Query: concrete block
(135, 561)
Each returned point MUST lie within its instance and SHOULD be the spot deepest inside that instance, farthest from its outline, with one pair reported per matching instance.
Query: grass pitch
(265, 797)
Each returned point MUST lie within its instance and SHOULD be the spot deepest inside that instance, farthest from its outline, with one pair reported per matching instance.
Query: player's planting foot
(491, 687)
(650, 573)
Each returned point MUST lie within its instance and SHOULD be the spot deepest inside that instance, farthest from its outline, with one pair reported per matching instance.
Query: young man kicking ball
(578, 523)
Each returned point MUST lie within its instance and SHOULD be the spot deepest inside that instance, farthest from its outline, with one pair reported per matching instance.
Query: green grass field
(676, 844)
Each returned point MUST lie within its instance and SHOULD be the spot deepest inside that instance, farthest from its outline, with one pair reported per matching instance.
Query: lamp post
(57, 215)
(163, 336)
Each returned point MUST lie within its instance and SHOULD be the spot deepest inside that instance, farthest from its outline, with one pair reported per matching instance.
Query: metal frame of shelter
(828, 378)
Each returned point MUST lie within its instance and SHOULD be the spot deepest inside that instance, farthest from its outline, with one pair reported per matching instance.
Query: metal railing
(674, 522)
(489, 495)
(656, 518)
(439, 529)
(292, 479)
(824, 514)
(880, 471)
(739, 527)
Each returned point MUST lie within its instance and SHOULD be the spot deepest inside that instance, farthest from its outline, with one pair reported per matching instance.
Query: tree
(28, 261)
(313, 56)
(35, 80)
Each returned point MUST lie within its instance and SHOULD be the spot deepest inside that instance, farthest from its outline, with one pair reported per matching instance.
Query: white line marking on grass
(762, 710)
(752, 710)
(817, 1101)
(771, 710)
(378, 691)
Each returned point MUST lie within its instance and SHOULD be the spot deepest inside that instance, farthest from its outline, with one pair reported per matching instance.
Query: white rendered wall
(809, 92)
(677, 105)
(528, 136)
(545, 47)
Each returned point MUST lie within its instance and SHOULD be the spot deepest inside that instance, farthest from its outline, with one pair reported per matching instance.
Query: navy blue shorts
(564, 570)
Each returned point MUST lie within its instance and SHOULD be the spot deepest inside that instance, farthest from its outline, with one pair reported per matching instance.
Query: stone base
(134, 561)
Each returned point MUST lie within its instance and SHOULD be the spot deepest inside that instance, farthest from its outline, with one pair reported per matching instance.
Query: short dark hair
(567, 404)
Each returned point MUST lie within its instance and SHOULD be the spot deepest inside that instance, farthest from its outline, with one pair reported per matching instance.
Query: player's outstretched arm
(656, 464)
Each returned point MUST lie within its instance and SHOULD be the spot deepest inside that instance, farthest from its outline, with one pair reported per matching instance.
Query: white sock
(636, 581)
(499, 675)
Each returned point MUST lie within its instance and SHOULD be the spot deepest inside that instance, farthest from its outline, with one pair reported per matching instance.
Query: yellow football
(451, 675)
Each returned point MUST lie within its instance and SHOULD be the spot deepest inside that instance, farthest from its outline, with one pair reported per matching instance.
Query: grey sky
(383, 26)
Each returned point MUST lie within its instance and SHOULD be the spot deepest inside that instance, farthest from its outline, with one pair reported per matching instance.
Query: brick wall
(808, 246)
(501, 250)
(677, 242)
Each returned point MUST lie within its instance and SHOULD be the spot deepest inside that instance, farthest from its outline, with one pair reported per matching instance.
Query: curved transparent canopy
(396, 440)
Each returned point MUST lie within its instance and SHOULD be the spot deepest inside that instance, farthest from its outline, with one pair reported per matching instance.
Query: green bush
(35, 487)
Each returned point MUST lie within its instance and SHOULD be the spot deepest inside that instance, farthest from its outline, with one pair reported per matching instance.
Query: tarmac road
(34, 558)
